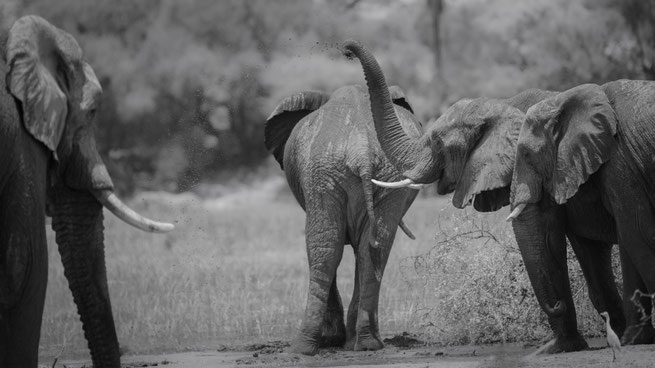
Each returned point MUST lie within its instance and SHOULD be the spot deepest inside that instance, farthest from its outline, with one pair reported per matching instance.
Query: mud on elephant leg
(595, 260)
(334, 329)
(325, 240)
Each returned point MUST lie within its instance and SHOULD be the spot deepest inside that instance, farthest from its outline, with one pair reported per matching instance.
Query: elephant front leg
(539, 232)
(595, 258)
(23, 279)
(325, 239)
(638, 331)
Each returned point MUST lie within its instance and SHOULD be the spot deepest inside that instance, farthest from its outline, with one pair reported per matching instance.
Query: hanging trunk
(543, 248)
(416, 159)
(77, 220)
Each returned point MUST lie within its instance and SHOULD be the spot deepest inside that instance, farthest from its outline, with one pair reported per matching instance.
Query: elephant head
(456, 149)
(564, 140)
(57, 93)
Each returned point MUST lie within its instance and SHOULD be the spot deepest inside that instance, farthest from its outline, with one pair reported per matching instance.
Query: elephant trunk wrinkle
(79, 233)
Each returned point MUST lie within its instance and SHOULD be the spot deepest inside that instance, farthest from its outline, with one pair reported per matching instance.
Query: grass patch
(234, 272)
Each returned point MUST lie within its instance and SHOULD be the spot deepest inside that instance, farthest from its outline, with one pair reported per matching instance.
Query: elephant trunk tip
(350, 48)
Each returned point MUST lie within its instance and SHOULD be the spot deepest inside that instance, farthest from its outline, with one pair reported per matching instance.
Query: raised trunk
(77, 220)
(542, 243)
(416, 159)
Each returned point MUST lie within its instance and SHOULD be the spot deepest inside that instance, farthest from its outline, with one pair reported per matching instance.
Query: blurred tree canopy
(189, 84)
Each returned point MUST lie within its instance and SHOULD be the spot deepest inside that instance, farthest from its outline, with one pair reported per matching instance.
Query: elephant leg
(23, 280)
(334, 328)
(595, 258)
(635, 225)
(637, 331)
(539, 232)
(367, 328)
(325, 236)
(353, 309)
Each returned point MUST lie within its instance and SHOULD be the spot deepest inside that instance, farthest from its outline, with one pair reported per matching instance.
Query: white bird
(612, 338)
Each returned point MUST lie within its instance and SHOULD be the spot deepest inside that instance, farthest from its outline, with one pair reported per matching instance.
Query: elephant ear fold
(285, 117)
(487, 173)
(398, 98)
(36, 74)
(564, 140)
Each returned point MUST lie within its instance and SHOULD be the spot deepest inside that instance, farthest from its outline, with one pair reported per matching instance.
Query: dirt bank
(397, 354)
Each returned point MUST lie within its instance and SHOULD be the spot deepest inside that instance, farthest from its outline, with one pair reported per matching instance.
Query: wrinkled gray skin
(327, 147)
(475, 150)
(49, 164)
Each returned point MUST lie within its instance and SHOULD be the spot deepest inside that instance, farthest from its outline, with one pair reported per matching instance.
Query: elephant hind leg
(367, 327)
(325, 235)
(334, 329)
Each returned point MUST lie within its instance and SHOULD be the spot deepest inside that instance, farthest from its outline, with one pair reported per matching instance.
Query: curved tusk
(405, 183)
(406, 230)
(125, 213)
(517, 211)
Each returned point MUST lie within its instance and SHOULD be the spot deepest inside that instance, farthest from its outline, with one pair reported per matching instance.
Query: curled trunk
(416, 159)
(77, 220)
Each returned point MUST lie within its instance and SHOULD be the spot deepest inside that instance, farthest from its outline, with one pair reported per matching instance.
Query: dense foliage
(189, 84)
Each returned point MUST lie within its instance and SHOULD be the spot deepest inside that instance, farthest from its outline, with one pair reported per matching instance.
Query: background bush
(477, 290)
(189, 84)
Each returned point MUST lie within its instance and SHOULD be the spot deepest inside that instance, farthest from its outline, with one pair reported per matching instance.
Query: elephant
(326, 146)
(50, 167)
(473, 151)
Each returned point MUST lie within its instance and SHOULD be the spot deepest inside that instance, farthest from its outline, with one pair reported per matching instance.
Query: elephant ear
(285, 117)
(398, 98)
(487, 173)
(563, 141)
(37, 74)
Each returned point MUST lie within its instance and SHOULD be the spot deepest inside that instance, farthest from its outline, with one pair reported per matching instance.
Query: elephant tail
(374, 247)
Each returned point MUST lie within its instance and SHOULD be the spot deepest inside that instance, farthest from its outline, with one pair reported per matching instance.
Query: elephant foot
(333, 331)
(565, 344)
(304, 347)
(635, 335)
(368, 343)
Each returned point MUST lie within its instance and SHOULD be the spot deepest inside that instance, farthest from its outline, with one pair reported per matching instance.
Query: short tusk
(517, 211)
(125, 213)
(406, 230)
(406, 183)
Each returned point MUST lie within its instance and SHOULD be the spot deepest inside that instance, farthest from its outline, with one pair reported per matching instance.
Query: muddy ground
(400, 352)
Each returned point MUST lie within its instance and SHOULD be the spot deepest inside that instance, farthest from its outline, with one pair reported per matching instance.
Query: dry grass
(235, 272)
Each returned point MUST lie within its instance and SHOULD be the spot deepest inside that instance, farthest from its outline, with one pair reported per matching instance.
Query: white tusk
(405, 183)
(125, 213)
(517, 211)
(406, 230)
